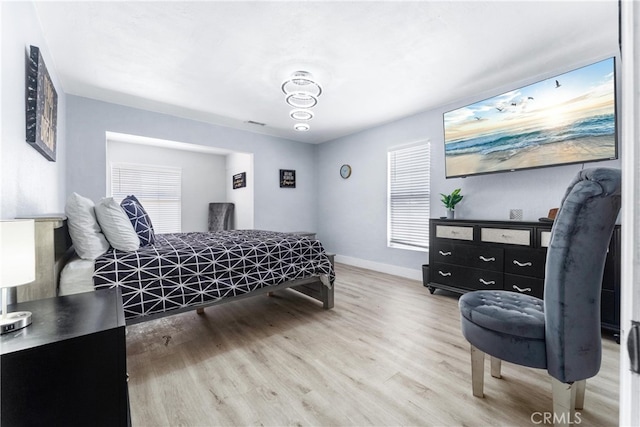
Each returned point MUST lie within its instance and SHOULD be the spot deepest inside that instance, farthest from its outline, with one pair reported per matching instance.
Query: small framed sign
(239, 180)
(287, 178)
(42, 106)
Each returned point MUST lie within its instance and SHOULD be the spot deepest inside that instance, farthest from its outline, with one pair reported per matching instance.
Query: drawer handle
(444, 274)
(487, 282)
(521, 290)
(444, 253)
(487, 259)
(522, 264)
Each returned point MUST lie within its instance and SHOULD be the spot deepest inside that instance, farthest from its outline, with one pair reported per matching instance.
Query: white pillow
(88, 240)
(116, 225)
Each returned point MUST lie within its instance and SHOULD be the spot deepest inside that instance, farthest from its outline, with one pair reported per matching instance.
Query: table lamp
(17, 267)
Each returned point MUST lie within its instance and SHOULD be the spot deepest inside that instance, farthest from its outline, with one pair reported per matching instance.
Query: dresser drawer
(525, 262)
(454, 232)
(545, 238)
(506, 235)
(455, 248)
(484, 257)
(524, 285)
(466, 278)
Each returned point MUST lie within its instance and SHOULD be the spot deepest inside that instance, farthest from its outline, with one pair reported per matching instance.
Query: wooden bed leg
(200, 310)
(327, 297)
(327, 293)
(270, 294)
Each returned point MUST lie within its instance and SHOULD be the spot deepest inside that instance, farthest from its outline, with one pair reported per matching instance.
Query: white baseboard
(409, 273)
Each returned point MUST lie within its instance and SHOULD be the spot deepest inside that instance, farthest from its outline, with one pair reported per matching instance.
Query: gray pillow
(86, 235)
(116, 226)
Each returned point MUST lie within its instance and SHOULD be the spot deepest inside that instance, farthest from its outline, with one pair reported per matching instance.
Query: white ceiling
(224, 62)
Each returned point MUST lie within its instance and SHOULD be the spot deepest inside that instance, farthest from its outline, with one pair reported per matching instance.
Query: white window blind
(409, 193)
(158, 188)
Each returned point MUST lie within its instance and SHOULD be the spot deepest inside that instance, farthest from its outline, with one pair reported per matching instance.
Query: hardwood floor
(389, 353)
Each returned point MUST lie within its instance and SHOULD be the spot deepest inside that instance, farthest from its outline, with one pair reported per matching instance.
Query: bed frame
(52, 252)
(312, 287)
(58, 247)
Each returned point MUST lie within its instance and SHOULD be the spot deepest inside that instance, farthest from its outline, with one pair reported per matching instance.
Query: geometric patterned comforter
(187, 269)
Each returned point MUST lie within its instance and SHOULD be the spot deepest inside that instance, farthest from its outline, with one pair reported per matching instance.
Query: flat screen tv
(569, 118)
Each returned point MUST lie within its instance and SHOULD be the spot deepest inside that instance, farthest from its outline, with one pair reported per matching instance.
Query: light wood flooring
(388, 354)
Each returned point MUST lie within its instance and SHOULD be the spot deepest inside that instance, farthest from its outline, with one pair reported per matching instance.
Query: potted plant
(450, 201)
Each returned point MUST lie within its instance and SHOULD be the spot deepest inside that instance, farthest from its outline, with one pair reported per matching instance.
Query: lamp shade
(17, 252)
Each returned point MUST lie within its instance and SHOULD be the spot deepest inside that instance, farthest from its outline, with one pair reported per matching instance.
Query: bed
(184, 271)
(161, 274)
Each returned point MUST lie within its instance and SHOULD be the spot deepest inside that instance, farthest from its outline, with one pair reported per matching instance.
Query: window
(158, 188)
(409, 192)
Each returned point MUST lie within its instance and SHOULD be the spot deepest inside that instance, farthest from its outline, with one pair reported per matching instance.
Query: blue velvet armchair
(560, 333)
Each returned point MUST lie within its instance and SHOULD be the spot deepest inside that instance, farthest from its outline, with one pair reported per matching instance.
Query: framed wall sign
(239, 180)
(42, 106)
(287, 178)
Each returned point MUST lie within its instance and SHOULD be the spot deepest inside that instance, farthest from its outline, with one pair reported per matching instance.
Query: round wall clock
(345, 171)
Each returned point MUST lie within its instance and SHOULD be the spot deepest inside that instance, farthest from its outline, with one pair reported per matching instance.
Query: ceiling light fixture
(301, 114)
(301, 100)
(301, 82)
(301, 92)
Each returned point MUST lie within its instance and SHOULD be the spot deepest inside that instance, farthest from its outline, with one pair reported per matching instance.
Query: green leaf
(451, 200)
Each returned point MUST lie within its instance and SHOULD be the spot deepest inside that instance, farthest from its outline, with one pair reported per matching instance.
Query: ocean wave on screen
(595, 126)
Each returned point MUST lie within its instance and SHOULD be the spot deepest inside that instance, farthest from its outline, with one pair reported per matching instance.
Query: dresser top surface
(505, 223)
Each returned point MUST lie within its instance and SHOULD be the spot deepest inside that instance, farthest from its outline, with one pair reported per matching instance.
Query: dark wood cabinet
(466, 255)
(69, 366)
(610, 315)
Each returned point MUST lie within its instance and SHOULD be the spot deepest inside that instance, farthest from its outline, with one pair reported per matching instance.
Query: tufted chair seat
(562, 332)
(518, 319)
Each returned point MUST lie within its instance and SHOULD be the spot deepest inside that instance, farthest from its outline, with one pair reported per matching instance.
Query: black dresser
(466, 255)
(68, 368)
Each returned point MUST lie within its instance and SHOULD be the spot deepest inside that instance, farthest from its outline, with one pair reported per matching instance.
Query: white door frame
(630, 137)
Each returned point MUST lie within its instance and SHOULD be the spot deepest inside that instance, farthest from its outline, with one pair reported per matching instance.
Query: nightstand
(69, 366)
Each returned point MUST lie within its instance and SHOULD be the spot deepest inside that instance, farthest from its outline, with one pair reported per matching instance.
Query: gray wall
(353, 212)
(242, 197)
(29, 183)
(203, 176)
(275, 208)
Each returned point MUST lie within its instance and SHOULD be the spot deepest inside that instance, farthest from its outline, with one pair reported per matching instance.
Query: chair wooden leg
(477, 371)
(200, 310)
(564, 402)
(580, 390)
(495, 367)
